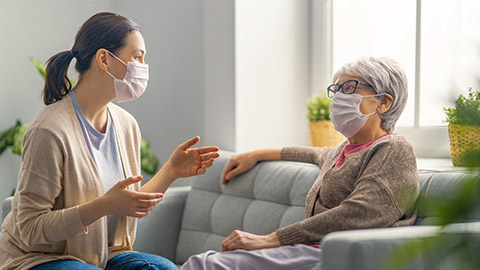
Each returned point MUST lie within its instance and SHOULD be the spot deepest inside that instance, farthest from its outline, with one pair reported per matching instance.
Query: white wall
(190, 90)
(321, 49)
(172, 109)
(272, 67)
(219, 73)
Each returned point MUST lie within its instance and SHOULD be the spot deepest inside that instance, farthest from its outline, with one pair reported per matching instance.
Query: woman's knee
(161, 263)
(136, 260)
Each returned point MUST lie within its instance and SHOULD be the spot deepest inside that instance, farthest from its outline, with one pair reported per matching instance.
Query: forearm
(93, 210)
(267, 154)
(160, 181)
(272, 240)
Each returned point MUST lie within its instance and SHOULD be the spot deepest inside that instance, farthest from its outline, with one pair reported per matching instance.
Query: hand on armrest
(241, 163)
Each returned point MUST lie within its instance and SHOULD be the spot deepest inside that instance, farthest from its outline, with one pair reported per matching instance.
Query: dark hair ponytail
(57, 83)
(103, 30)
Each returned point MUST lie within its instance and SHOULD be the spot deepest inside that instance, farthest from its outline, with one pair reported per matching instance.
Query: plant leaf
(39, 65)
(466, 110)
(318, 108)
(18, 139)
(149, 161)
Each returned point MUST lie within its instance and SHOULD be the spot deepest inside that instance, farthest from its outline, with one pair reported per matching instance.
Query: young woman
(367, 181)
(79, 195)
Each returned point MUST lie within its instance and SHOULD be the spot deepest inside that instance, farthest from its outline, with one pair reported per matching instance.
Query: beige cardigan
(58, 174)
(375, 187)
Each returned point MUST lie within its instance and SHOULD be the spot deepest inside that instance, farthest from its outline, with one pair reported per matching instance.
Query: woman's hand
(186, 162)
(248, 241)
(239, 164)
(123, 202)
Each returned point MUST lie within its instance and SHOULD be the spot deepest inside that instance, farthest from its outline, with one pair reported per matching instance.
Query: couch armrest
(6, 206)
(368, 249)
(158, 232)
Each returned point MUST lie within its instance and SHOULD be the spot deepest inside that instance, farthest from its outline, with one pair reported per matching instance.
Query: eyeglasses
(348, 87)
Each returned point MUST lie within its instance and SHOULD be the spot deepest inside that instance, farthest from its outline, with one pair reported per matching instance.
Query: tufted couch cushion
(438, 185)
(269, 196)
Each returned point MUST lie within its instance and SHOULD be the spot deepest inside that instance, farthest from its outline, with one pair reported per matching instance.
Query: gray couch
(194, 219)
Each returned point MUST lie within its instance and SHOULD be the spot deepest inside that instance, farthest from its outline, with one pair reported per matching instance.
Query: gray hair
(387, 76)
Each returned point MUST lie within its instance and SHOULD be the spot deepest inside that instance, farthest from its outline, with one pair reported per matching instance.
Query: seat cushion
(269, 196)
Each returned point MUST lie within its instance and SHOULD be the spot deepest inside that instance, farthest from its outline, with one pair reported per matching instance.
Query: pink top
(349, 149)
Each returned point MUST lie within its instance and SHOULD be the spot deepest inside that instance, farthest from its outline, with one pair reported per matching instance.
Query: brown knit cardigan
(375, 187)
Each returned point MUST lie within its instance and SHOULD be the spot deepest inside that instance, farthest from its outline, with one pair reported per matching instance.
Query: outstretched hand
(186, 161)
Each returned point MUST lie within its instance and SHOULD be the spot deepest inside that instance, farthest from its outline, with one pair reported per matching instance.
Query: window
(450, 50)
(438, 45)
(376, 28)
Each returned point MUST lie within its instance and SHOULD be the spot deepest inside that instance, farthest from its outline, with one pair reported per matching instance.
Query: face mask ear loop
(372, 113)
(116, 57)
(110, 74)
(377, 99)
(118, 60)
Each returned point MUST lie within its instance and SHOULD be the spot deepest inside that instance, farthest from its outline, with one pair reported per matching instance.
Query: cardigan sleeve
(384, 193)
(40, 184)
(313, 155)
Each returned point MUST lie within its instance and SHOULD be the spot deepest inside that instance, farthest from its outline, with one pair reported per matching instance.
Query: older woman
(367, 181)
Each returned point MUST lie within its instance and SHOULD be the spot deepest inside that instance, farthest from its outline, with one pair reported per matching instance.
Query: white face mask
(345, 113)
(133, 84)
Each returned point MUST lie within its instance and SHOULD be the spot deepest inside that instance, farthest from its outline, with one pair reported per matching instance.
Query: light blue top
(104, 150)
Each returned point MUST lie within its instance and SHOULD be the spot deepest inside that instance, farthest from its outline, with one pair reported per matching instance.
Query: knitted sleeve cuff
(291, 235)
(72, 222)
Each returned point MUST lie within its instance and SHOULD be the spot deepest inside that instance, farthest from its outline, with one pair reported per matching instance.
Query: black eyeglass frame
(331, 91)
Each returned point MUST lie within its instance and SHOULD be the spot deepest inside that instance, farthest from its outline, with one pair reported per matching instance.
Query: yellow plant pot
(462, 138)
(322, 133)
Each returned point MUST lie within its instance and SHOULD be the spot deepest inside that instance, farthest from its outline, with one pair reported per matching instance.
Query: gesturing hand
(123, 202)
(186, 162)
(249, 241)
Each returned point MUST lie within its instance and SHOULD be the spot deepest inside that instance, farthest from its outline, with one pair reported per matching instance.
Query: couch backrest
(438, 185)
(269, 196)
(6, 207)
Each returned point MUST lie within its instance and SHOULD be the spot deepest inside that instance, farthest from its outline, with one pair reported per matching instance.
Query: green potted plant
(321, 128)
(464, 126)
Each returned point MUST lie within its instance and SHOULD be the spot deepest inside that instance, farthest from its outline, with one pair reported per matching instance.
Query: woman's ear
(101, 59)
(385, 103)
